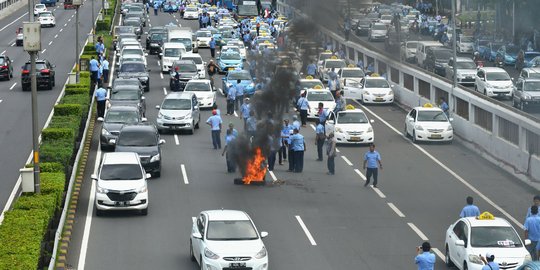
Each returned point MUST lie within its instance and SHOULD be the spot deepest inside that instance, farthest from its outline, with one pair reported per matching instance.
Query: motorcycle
(499, 62)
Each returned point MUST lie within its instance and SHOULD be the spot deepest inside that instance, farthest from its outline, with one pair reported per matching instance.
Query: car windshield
(466, 65)
(386, 17)
(186, 68)
(352, 73)
(494, 237)
(532, 86)
(125, 95)
(431, 116)
(132, 58)
(191, 9)
(379, 27)
(530, 56)
(334, 64)
(534, 74)
(351, 118)
(176, 104)
(442, 54)
(324, 56)
(132, 67)
(376, 84)
(121, 30)
(137, 138)
(185, 41)
(411, 45)
(231, 230)
(120, 172)
(172, 52)
(495, 47)
(233, 76)
(320, 96)
(373, 15)
(512, 50)
(310, 84)
(127, 117)
(132, 23)
(230, 56)
(132, 51)
(466, 39)
(497, 76)
(158, 36)
(133, 9)
(204, 34)
(197, 60)
(126, 82)
(197, 86)
(40, 6)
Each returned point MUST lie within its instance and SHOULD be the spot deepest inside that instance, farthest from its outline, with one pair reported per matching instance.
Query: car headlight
(142, 189)
(526, 97)
(261, 254)
(369, 130)
(390, 93)
(418, 127)
(160, 115)
(475, 259)
(210, 255)
(450, 128)
(101, 190)
(105, 132)
(155, 158)
(143, 79)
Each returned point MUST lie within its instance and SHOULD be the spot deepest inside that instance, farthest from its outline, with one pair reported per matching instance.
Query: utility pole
(93, 20)
(454, 39)
(77, 67)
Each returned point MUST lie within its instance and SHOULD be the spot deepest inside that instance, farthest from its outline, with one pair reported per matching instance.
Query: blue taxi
(229, 60)
(232, 78)
(170, 7)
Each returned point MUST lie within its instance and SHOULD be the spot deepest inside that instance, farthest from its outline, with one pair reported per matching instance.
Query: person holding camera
(424, 258)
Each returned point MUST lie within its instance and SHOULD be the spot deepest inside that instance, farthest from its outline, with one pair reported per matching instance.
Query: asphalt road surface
(421, 192)
(58, 46)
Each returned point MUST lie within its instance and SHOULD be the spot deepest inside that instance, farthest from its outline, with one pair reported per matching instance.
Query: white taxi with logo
(351, 76)
(334, 63)
(470, 237)
(309, 82)
(191, 12)
(350, 126)
(428, 123)
(372, 89)
(318, 95)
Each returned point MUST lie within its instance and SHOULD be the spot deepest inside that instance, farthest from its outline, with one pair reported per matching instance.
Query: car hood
(230, 61)
(189, 75)
(246, 248)
(113, 127)
(503, 254)
(176, 113)
(202, 94)
(534, 94)
(121, 185)
(434, 125)
(501, 83)
(147, 151)
(354, 127)
(125, 102)
(378, 90)
(466, 72)
(378, 32)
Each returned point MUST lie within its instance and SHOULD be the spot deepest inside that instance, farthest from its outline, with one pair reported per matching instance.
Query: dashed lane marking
(161, 75)
(13, 44)
(347, 160)
(65, 24)
(312, 126)
(418, 231)
(272, 175)
(3, 52)
(176, 139)
(184, 174)
(61, 29)
(44, 50)
(360, 174)
(398, 212)
(235, 114)
(438, 252)
(379, 192)
(12, 86)
(56, 36)
(306, 231)
(50, 42)
(164, 91)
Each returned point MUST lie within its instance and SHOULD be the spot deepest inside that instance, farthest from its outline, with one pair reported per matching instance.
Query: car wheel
(197, 125)
(50, 85)
(192, 130)
(447, 259)
(144, 212)
(414, 137)
(191, 254)
(465, 267)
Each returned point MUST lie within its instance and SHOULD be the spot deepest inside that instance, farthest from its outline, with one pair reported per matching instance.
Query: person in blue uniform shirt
(372, 159)
(215, 122)
(244, 111)
(311, 69)
(94, 69)
(106, 70)
(285, 133)
(536, 201)
(303, 106)
(101, 99)
(299, 146)
(251, 124)
(228, 150)
(320, 137)
(424, 258)
(239, 94)
(470, 210)
(444, 107)
(532, 232)
(212, 46)
(231, 97)
(489, 262)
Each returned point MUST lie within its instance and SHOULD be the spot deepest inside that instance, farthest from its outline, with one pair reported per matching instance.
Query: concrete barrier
(7, 7)
(502, 134)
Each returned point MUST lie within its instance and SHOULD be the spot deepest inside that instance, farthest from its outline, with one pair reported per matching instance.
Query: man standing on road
(229, 138)
(156, 7)
(105, 65)
(231, 97)
(303, 106)
(285, 133)
(244, 111)
(239, 94)
(299, 146)
(372, 159)
(424, 258)
(470, 210)
(331, 153)
(532, 232)
(101, 100)
(320, 137)
(536, 201)
(212, 46)
(94, 69)
(215, 122)
(251, 125)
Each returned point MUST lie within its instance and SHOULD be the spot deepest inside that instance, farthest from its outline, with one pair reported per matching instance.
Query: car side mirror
(411, 119)
(144, 119)
(94, 176)
(331, 122)
(196, 107)
(100, 119)
(460, 243)
(145, 54)
(527, 242)
(451, 119)
(162, 141)
(264, 234)
(148, 176)
(158, 107)
(371, 121)
(160, 54)
(196, 235)
(392, 86)
(143, 97)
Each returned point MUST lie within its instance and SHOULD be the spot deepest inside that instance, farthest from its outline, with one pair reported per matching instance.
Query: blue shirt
(494, 266)
(251, 123)
(105, 64)
(215, 121)
(239, 90)
(303, 103)
(297, 142)
(212, 44)
(286, 132)
(245, 110)
(231, 94)
(99, 47)
(444, 107)
(296, 124)
(470, 211)
(319, 129)
(311, 69)
(372, 158)
(94, 65)
(425, 260)
(101, 94)
(532, 226)
(323, 115)
(229, 138)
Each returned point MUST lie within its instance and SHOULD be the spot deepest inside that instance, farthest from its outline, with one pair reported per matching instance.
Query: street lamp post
(93, 20)
(77, 67)
(454, 39)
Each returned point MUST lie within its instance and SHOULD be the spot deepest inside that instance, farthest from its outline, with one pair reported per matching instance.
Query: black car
(153, 29)
(116, 117)
(437, 59)
(187, 71)
(132, 69)
(128, 81)
(156, 41)
(362, 27)
(44, 75)
(145, 141)
(127, 95)
(6, 69)
(136, 23)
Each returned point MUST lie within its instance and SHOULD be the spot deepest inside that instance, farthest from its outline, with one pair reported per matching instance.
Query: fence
(9, 6)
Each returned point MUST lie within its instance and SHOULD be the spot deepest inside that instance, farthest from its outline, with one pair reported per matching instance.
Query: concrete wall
(11, 6)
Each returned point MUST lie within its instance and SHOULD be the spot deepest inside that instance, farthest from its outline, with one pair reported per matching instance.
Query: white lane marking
(13, 44)
(12, 86)
(450, 171)
(164, 91)
(69, 20)
(56, 36)
(3, 52)
(50, 42)
(176, 20)
(7, 25)
(379, 192)
(398, 212)
(44, 50)
(149, 25)
(235, 114)
(176, 139)
(438, 253)
(194, 219)
(312, 126)
(306, 231)
(272, 175)
(161, 75)
(89, 215)
(184, 174)
(347, 160)
(61, 29)
(360, 174)
(337, 150)
(72, 15)
(65, 24)
(418, 231)
(1, 100)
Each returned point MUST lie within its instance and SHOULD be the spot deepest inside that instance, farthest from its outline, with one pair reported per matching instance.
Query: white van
(421, 50)
(184, 36)
(169, 52)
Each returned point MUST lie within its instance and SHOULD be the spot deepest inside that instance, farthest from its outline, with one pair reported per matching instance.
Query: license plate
(379, 99)
(237, 265)
(231, 68)
(121, 204)
(436, 136)
(355, 139)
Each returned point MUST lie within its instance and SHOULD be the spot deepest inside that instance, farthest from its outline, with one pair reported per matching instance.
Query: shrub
(78, 90)
(60, 152)
(51, 167)
(53, 183)
(68, 109)
(62, 121)
(83, 99)
(57, 134)
(47, 202)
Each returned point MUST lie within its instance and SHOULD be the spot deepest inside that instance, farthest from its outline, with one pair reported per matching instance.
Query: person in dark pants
(101, 100)
(298, 145)
(331, 153)
(231, 99)
(212, 47)
(320, 137)
(227, 150)
(303, 106)
(106, 70)
(94, 69)
(215, 122)
(275, 144)
(372, 159)
(285, 133)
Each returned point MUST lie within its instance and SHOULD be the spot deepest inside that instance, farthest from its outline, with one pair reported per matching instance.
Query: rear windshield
(186, 68)
(137, 138)
(128, 117)
(197, 60)
(197, 86)
(132, 67)
(120, 172)
(125, 95)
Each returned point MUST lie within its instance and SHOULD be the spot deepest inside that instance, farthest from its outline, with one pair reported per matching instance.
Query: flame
(256, 169)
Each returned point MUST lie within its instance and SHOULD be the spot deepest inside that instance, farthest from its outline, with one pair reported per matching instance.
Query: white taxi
(428, 123)
(309, 82)
(323, 56)
(46, 18)
(38, 8)
(191, 12)
(372, 89)
(333, 63)
(350, 126)
(206, 96)
(470, 237)
(319, 95)
(203, 38)
(350, 76)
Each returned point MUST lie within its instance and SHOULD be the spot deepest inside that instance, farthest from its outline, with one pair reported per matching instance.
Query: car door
(518, 91)
(199, 227)
(450, 69)
(459, 232)
(330, 123)
(409, 122)
(353, 92)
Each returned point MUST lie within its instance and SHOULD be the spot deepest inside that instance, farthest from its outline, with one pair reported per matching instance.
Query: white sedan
(428, 123)
(316, 96)
(38, 8)
(204, 92)
(470, 237)
(46, 18)
(374, 90)
(227, 239)
(203, 38)
(191, 13)
(351, 127)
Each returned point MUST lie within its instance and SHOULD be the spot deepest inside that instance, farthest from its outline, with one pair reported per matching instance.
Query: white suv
(179, 111)
(121, 183)
(494, 82)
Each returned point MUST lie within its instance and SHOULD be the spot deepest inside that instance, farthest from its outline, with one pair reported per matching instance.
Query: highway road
(347, 226)
(58, 46)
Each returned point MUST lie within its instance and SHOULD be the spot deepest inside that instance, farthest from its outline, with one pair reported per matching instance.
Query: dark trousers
(372, 172)
(105, 76)
(291, 159)
(216, 139)
(101, 108)
(331, 164)
(282, 153)
(271, 160)
(303, 117)
(231, 166)
(238, 102)
(94, 76)
(155, 11)
(320, 144)
(298, 161)
(213, 52)
(532, 250)
(230, 106)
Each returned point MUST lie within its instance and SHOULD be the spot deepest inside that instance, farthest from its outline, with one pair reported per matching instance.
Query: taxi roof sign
(350, 107)
(328, 51)
(429, 105)
(309, 77)
(333, 57)
(318, 87)
(486, 216)
(374, 75)
(351, 65)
